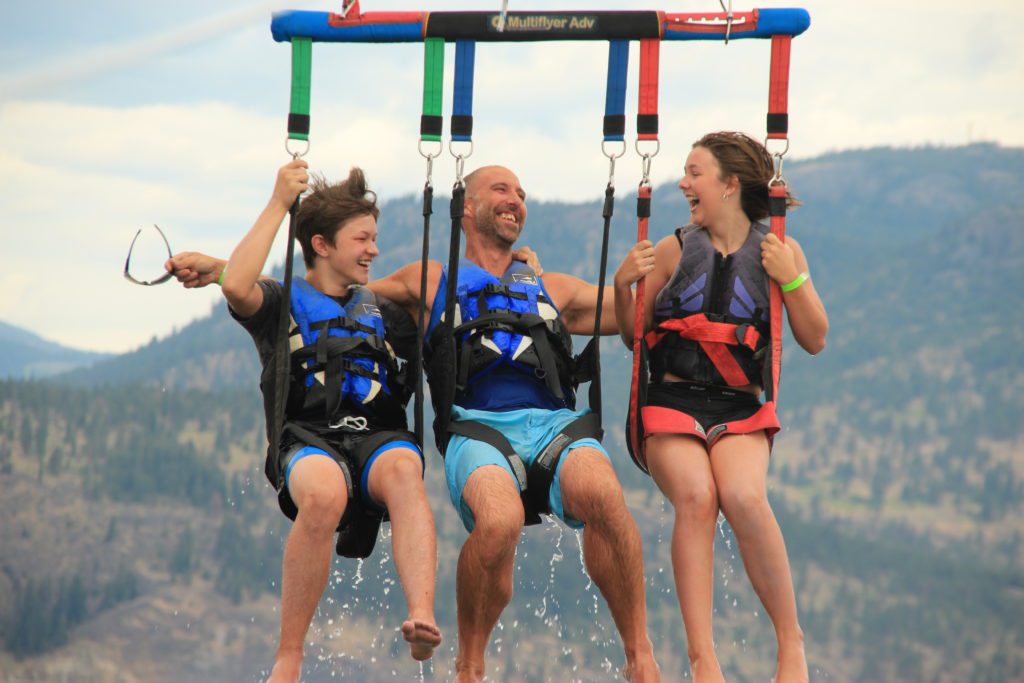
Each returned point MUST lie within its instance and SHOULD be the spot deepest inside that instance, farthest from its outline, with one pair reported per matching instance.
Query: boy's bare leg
(396, 480)
(317, 486)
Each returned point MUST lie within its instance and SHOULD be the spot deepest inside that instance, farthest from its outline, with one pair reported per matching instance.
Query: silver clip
(356, 423)
(503, 16)
(728, 19)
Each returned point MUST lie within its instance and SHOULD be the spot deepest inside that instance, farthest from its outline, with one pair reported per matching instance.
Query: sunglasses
(147, 283)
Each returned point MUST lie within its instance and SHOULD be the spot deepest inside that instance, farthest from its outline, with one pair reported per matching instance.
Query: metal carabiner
(777, 162)
(296, 154)
(502, 16)
(728, 19)
(430, 159)
(460, 159)
(611, 156)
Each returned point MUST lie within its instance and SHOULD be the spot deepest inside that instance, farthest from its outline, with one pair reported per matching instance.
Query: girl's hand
(637, 264)
(778, 260)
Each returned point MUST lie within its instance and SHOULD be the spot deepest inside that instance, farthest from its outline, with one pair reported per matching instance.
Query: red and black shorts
(705, 411)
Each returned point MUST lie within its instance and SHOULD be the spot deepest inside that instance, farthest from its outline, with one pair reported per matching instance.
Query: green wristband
(800, 279)
(220, 280)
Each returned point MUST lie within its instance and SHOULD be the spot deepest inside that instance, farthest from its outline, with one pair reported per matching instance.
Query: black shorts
(355, 453)
(705, 411)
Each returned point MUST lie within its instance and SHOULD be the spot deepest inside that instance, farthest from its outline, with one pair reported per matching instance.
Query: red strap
(778, 84)
(644, 193)
(726, 365)
(699, 328)
(776, 192)
(765, 418)
(659, 420)
(648, 89)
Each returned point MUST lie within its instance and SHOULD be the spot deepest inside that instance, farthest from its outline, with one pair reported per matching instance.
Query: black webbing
(447, 346)
(282, 360)
(428, 208)
(595, 381)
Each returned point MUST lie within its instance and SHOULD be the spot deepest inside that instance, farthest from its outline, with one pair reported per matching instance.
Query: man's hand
(529, 256)
(194, 269)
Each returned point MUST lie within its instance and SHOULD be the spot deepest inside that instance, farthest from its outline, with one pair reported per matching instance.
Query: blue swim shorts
(528, 431)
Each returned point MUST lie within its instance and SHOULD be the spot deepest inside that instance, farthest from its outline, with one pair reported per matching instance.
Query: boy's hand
(529, 256)
(292, 180)
(194, 269)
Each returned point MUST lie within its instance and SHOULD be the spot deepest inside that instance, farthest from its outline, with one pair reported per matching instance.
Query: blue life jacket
(341, 362)
(725, 290)
(507, 330)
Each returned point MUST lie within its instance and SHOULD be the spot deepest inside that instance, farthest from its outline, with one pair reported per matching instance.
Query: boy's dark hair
(329, 205)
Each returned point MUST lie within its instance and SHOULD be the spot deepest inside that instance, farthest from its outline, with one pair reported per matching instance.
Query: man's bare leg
(680, 467)
(484, 579)
(317, 487)
(740, 464)
(396, 481)
(612, 551)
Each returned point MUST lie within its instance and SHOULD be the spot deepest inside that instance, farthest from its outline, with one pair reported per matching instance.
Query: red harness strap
(714, 338)
(661, 420)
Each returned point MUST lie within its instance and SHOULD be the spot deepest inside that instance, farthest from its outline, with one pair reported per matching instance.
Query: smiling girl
(708, 440)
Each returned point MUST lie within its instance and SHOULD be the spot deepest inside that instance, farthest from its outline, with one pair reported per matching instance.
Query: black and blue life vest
(711, 319)
(506, 329)
(511, 351)
(341, 363)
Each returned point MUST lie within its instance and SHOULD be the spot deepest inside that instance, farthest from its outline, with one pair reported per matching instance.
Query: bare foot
(792, 666)
(467, 673)
(706, 670)
(422, 636)
(643, 669)
(287, 669)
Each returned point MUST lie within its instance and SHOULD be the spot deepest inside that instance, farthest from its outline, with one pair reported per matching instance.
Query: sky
(115, 116)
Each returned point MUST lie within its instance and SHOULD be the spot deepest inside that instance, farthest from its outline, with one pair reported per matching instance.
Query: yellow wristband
(800, 279)
(220, 280)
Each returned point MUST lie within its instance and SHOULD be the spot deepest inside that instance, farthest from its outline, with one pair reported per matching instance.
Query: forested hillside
(141, 535)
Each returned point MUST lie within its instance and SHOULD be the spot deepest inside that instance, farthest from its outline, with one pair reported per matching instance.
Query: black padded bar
(298, 123)
(526, 26)
(778, 123)
(615, 124)
(643, 207)
(431, 125)
(647, 123)
(777, 206)
(462, 125)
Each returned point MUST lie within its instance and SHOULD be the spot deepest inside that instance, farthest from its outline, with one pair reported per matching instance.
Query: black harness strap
(282, 355)
(535, 480)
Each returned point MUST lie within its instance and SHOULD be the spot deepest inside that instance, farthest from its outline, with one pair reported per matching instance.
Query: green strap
(298, 117)
(433, 88)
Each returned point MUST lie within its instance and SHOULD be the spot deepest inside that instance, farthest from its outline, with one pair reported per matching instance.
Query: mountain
(142, 537)
(27, 355)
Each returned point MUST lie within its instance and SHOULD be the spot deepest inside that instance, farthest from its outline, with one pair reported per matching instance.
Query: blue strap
(462, 106)
(615, 93)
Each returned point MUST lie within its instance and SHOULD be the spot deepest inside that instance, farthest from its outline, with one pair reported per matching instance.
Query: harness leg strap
(481, 432)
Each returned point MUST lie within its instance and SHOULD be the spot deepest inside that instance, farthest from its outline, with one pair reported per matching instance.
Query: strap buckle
(356, 423)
